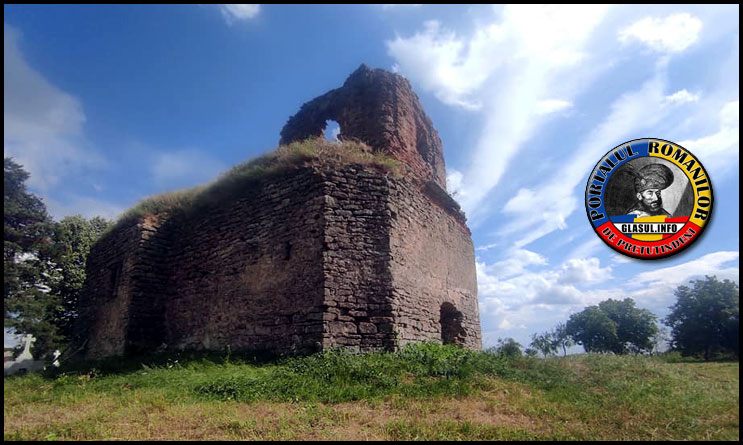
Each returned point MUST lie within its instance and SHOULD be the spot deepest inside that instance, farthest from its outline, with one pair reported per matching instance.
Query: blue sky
(105, 105)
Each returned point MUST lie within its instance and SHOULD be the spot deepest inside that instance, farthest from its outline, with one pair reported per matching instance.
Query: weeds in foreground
(424, 391)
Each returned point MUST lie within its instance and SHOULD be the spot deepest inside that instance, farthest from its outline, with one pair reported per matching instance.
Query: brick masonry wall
(302, 261)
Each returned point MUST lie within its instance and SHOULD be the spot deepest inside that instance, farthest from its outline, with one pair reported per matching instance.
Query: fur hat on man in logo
(653, 176)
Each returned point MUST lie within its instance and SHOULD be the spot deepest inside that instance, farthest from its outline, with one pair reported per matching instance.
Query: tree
(562, 338)
(705, 319)
(44, 264)
(614, 326)
(73, 236)
(635, 327)
(544, 343)
(508, 347)
(531, 352)
(593, 329)
(27, 267)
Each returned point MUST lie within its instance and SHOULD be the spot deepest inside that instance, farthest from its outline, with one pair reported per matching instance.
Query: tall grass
(424, 391)
(318, 153)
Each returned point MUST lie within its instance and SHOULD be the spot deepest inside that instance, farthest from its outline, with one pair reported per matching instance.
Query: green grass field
(424, 392)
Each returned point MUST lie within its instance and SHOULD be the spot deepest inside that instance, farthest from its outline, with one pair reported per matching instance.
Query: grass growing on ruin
(423, 392)
(311, 152)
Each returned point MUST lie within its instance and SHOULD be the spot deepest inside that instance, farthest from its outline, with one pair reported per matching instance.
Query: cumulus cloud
(43, 125)
(444, 63)
(522, 294)
(682, 96)
(672, 34)
(523, 279)
(233, 13)
(534, 297)
(454, 182)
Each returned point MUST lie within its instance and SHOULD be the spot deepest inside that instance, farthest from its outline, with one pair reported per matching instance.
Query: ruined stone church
(309, 259)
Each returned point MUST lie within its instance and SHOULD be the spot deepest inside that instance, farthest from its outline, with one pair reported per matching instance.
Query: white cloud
(504, 69)
(521, 280)
(720, 149)
(521, 295)
(682, 96)
(556, 198)
(515, 263)
(655, 289)
(232, 13)
(584, 271)
(548, 106)
(536, 298)
(710, 264)
(454, 182)
(435, 59)
(672, 34)
(43, 126)
(486, 247)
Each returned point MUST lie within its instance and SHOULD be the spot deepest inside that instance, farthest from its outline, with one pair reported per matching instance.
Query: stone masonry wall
(355, 262)
(248, 273)
(432, 266)
(307, 260)
(396, 251)
(119, 278)
(381, 109)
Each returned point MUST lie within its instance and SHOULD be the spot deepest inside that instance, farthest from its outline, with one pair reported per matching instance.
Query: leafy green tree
(635, 327)
(74, 236)
(705, 320)
(614, 326)
(593, 329)
(508, 347)
(531, 352)
(544, 343)
(44, 264)
(28, 269)
(561, 338)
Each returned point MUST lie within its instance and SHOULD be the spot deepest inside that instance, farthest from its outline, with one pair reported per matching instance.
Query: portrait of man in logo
(649, 187)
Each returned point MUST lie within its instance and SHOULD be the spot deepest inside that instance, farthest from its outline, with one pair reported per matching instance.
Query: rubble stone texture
(308, 259)
(380, 109)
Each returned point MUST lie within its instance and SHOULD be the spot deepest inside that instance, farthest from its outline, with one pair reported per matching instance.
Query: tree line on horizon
(704, 322)
(44, 271)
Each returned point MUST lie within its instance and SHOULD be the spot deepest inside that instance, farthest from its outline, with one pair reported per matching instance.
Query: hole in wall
(332, 130)
(452, 332)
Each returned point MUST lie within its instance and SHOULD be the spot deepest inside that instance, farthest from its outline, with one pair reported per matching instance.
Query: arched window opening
(452, 332)
(332, 130)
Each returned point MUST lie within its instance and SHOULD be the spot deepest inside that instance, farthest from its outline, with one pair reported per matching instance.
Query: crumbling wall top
(380, 109)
